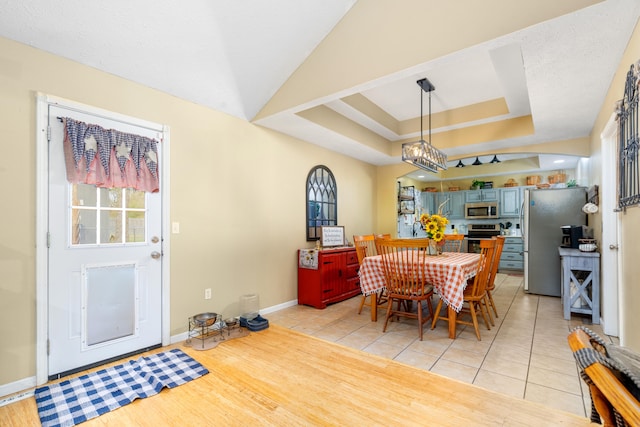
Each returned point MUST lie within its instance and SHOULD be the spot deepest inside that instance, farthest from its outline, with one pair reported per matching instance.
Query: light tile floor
(525, 354)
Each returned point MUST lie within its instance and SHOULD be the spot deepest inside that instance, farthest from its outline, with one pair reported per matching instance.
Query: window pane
(110, 226)
(135, 199)
(83, 226)
(135, 227)
(83, 195)
(111, 197)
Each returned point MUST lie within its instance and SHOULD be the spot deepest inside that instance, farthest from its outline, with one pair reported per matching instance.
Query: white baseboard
(24, 388)
(183, 336)
(279, 307)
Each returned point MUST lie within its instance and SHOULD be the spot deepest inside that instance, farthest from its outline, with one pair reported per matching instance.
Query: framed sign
(332, 236)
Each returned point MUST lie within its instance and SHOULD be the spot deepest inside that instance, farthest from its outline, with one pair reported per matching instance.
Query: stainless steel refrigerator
(544, 212)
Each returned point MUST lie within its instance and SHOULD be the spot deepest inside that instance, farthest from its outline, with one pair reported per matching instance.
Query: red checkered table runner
(448, 273)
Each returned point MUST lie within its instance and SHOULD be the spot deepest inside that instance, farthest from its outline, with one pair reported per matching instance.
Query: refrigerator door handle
(522, 220)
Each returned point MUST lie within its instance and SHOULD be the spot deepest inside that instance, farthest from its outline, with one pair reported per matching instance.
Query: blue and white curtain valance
(109, 158)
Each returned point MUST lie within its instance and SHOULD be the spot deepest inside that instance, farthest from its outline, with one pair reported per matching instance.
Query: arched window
(322, 204)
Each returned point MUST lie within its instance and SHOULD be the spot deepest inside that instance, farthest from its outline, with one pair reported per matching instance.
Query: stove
(478, 232)
(485, 231)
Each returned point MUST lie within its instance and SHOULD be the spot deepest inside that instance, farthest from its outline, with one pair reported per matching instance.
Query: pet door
(110, 296)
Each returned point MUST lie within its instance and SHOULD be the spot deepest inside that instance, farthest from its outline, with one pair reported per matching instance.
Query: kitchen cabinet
(428, 202)
(335, 279)
(580, 275)
(512, 257)
(483, 195)
(454, 208)
(510, 202)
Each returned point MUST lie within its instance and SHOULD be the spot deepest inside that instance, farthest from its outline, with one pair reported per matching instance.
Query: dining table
(447, 273)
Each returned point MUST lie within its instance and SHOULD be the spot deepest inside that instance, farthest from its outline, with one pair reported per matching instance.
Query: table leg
(452, 314)
(374, 307)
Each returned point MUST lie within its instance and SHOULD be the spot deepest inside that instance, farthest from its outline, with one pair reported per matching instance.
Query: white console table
(580, 283)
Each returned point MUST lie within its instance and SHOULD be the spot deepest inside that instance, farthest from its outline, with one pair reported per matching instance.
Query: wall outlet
(207, 293)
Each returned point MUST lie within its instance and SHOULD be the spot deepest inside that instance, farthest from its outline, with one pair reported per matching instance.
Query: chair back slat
(453, 242)
(365, 246)
(381, 237)
(497, 253)
(480, 280)
(403, 262)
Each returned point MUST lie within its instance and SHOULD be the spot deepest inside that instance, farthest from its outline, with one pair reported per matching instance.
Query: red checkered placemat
(448, 273)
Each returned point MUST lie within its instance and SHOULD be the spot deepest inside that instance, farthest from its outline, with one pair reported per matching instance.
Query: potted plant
(476, 184)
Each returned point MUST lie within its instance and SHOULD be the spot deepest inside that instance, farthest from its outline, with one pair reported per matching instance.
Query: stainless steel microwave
(481, 210)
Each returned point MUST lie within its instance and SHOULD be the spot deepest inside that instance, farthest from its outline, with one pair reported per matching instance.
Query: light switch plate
(175, 227)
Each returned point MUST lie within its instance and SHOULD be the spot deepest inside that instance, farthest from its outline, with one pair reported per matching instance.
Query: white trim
(611, 293)
(279, 307)
(165, 179)
(42, 217)
(25, 386)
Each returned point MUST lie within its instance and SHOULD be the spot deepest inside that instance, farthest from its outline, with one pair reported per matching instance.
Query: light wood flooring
(280, 377)
(525, 355)
(522, 371)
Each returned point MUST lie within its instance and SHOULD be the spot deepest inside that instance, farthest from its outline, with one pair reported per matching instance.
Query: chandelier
(421, 153)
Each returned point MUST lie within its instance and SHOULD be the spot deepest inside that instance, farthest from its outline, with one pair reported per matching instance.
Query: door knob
(155, 254)
(613, 247)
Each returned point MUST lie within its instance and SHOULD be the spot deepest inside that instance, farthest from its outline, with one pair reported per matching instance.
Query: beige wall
(629, 290)
(237, 190)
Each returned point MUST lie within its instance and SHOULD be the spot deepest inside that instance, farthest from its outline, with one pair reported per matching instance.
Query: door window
(104, 216)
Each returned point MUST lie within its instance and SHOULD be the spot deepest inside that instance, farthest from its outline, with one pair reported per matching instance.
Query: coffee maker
(571, 235)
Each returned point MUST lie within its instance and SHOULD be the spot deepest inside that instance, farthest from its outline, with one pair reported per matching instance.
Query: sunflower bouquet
(434, 225)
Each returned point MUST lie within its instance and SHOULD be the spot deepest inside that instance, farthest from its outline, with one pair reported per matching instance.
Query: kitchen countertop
(577, 252)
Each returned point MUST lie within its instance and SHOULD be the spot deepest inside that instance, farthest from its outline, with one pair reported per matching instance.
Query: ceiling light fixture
(460, 164)
(421, 153)
(495, 159)
(477, 162)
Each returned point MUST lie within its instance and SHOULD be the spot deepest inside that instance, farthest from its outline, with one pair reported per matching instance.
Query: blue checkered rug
(73, 401)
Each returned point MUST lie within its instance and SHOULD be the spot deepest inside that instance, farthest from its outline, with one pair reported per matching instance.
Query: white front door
(105, 264)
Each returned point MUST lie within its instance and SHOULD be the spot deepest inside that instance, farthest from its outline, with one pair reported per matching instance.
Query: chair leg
(472, 309)
(382, 297)
(486, 303)
(362, 301)
(389, 311)
(420, 318)
(493, 304)
(436, 315)
(482, 307)
(430, 307)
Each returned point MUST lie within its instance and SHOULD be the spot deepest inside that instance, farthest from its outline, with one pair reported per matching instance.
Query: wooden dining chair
(381, 237)
(453, 242)
(610, 372)
(474, 293)
(491, 283)
(365, 246)
(403, 263)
